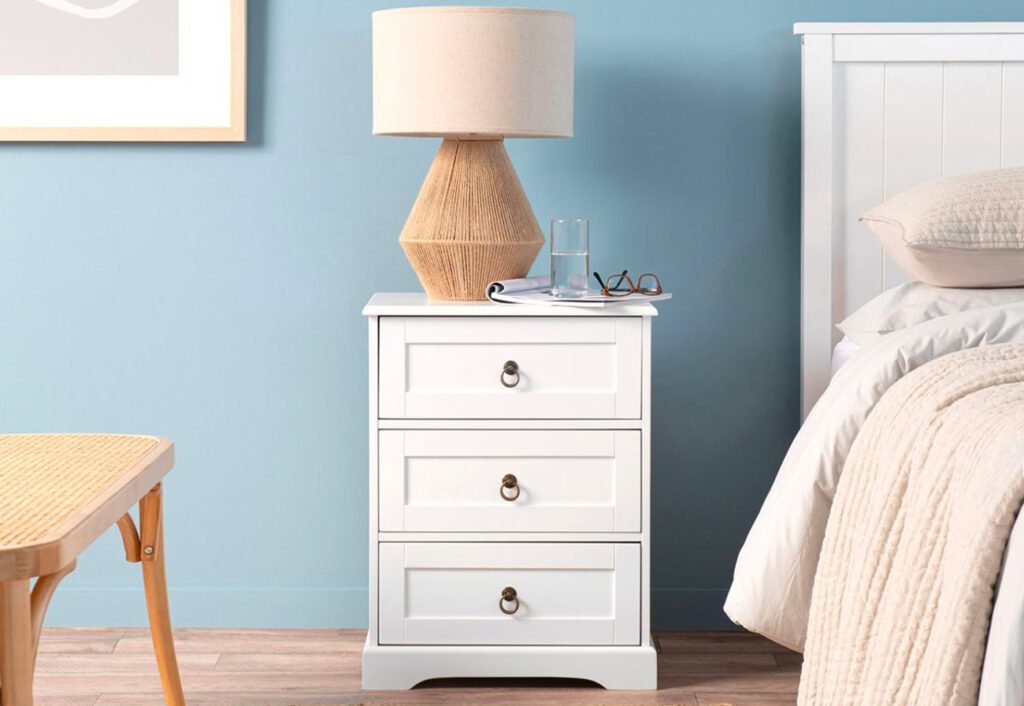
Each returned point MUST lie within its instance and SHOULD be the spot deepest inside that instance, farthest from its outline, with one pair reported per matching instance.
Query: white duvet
(771, 590)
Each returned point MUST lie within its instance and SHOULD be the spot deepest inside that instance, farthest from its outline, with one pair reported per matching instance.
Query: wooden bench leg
(16, 653)
(155, 579)
(42, 592)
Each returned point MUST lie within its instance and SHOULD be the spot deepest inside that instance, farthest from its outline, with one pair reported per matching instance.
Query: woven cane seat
(58, 494)
(46, 479)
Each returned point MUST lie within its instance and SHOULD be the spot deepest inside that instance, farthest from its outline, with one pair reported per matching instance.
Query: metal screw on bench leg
(148, 550)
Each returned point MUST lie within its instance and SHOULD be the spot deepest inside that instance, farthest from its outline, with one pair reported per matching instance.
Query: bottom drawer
(450, 593)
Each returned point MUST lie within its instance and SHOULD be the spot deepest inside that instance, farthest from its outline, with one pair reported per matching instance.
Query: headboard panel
(887, 106)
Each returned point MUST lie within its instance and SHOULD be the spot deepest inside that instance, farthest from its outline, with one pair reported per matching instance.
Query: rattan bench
(58, 493)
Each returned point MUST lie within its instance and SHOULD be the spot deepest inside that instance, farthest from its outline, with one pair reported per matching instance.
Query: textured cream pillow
(962, 231)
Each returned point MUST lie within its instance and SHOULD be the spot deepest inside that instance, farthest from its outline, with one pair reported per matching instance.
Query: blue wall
(211, 293)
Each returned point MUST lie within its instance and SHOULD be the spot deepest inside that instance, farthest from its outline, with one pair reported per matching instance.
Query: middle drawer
(509, 481)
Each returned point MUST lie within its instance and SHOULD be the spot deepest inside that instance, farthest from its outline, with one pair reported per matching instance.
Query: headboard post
(816, 220)
(886, 106)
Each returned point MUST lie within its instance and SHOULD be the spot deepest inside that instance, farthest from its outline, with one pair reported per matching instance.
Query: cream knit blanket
(904, 586)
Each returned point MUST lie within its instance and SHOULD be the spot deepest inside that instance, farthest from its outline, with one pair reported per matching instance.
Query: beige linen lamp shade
(472, 71)
(474, 76)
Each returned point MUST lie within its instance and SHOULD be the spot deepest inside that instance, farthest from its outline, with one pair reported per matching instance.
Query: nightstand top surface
(417, 304)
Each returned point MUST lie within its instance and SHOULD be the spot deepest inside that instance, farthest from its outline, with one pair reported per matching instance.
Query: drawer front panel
(450, 594)
(568, 368)
(566, 481)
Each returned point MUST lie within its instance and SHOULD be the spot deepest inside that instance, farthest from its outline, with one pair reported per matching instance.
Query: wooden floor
(108, 667)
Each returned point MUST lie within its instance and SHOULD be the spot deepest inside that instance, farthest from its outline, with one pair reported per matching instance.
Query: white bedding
(1002, 676)
(771, 589)
(842, 354)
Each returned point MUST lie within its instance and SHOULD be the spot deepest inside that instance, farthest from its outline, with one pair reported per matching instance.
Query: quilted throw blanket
(912, 551)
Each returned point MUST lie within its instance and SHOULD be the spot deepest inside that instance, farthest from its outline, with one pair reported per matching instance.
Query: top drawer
(566, 367)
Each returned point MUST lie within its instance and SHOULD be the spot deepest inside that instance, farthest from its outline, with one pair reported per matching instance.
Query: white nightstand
(509, 492)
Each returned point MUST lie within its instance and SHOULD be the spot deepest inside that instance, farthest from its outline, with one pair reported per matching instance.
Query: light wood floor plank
(118, 664)
(305, 667)
(238, 698)
(751, 699)
(542, 692)
(716, 662)
(705, 642)
(65, 700)
(263, 641)
(79, 640)
(200, 681)
(278, 662)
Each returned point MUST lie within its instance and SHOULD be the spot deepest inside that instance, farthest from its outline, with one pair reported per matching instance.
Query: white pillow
(916, 302)
(960, 231)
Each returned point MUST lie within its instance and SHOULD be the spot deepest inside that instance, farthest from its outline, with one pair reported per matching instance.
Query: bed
(885, 107)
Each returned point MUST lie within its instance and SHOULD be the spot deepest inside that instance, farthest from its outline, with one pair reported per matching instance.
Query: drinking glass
(570, 256)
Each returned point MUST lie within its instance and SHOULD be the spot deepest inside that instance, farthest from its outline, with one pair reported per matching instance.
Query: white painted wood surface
(372, 357)
(568, 594)
(817, 245)
(885, 107)
(912, 151)
(1013, 114)
(928, 47)
(859, 120)
(845, 28)
(972, 116)
(566, 481)
(451, 367)
(417, 304)
(443, 543)
(463, 423)
(405, 666)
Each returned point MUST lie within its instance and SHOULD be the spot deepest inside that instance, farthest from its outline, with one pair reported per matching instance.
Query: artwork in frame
(122, 70)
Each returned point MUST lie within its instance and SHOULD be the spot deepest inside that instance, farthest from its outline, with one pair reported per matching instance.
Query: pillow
(962, 231)
(914, 303)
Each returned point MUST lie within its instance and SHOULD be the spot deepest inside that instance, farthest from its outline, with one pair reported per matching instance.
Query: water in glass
(570, 257)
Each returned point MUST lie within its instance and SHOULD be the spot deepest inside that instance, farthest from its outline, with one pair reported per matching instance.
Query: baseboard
(214, 607)
(671, 609)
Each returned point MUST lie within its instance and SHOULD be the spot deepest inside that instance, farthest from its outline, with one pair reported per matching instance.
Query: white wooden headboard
(886, 106)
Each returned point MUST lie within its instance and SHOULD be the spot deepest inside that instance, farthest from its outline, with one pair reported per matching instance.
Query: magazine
(537, 290)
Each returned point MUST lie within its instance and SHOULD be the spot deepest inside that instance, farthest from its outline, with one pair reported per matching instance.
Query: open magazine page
(537, 290)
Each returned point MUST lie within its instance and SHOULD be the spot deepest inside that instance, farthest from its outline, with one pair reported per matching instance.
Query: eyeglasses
(621, 285)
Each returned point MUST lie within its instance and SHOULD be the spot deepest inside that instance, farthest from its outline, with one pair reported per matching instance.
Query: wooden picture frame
(229, 100)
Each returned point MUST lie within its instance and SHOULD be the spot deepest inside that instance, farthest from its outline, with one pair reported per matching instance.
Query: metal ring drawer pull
(510, 369)
(510, 482)
(508, 595)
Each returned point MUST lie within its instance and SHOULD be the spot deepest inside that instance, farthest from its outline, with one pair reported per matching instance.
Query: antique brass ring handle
(510, 482)
(508, 595)
(510, 369)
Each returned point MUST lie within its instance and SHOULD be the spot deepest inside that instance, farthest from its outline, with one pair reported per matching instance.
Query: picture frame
(123, 70)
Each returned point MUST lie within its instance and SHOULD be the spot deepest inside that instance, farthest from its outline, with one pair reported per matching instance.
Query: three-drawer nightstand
(509, 492)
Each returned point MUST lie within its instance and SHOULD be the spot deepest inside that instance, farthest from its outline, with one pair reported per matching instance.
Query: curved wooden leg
(154, 577)
(16, 656)
(42, 592)
(130, 538)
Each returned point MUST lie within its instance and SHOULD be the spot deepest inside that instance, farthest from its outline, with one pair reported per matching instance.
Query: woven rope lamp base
(471, 223)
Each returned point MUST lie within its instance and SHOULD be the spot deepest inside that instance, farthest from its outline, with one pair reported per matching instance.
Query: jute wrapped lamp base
(474, 76)
(471, 223)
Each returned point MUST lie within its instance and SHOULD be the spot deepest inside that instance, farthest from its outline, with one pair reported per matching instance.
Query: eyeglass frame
(633, 288)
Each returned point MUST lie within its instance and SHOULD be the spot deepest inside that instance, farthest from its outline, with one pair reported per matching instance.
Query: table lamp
(473, 76)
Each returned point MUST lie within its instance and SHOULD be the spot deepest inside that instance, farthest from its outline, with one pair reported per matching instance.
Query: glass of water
(570, 256)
